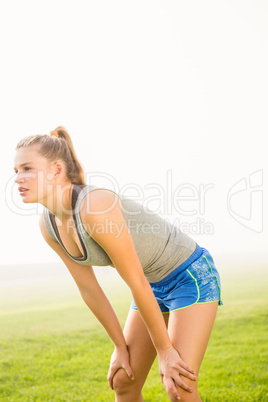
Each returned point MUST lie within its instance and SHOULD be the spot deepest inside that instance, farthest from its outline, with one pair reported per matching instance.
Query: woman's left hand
(171, 366)
(119, 359)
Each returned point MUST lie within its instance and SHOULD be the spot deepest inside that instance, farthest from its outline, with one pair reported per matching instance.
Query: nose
(19, 179)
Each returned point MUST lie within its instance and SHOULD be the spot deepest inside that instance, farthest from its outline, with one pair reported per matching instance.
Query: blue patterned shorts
(195, 281)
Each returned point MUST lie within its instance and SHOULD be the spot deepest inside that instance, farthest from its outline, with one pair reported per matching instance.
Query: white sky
(153, 93)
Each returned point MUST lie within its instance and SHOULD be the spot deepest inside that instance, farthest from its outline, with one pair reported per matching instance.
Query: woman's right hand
(119, 359)
(171, 366)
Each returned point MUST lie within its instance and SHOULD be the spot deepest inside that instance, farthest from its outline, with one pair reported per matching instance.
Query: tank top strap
(48, 224)
(79, 193)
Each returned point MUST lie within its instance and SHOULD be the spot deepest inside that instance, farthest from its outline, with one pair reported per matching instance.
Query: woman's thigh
(141, 350)
(189, 330)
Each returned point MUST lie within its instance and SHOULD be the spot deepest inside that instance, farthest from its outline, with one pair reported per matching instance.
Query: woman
(172, 316)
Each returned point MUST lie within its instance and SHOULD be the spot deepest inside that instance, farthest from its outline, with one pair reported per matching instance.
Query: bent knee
(122, 383)
(189, 396)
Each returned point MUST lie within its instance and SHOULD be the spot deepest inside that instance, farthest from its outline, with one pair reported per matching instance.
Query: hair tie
(54, 133)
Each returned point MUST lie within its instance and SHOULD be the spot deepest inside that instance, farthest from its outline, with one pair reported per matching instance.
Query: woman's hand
(119, 359)
(170, 367)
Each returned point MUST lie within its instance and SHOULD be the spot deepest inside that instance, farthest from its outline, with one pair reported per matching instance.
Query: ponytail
(57, 145)
(74, 169)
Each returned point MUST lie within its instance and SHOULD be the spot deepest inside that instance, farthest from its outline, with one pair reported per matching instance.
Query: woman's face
(35, 175)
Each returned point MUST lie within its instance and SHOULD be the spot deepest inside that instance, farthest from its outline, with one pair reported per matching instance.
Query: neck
(59, 201)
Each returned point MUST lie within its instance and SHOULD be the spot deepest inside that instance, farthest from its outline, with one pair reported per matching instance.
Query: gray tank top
(161, 246)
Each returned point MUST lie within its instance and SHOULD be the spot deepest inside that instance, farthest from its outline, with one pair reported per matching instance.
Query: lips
(23, 190)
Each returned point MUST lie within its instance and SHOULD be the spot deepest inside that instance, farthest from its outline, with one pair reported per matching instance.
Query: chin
(25, 201)
(28, 200)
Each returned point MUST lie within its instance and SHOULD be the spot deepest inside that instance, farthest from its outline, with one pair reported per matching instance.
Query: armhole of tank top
(48, 224)
(87, 189)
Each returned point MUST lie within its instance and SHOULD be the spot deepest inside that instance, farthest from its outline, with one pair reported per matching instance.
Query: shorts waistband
(193, 257)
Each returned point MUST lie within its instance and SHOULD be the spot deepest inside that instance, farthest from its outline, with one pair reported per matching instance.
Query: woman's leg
(142, 355)
(189, 330)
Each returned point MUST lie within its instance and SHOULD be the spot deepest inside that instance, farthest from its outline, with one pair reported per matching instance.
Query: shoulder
(100, 201)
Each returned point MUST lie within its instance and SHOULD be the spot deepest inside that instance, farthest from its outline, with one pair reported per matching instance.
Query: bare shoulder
(100, 202)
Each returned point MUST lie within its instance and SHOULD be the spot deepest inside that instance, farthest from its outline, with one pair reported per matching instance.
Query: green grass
(53, 349)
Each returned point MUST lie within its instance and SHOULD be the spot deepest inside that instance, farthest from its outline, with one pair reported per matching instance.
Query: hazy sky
(165, 101)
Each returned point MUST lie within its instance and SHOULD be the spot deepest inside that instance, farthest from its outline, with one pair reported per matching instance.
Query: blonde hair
(57, 145)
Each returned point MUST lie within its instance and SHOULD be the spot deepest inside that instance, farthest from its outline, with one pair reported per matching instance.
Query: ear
(57, 168)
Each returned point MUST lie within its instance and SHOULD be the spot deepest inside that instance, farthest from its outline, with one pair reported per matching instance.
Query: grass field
(53, 349)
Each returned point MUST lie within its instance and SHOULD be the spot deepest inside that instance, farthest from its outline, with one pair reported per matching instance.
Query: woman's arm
(95, 299)
(115, 239)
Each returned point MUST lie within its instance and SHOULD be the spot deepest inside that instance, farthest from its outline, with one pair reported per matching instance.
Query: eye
(26, 168)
